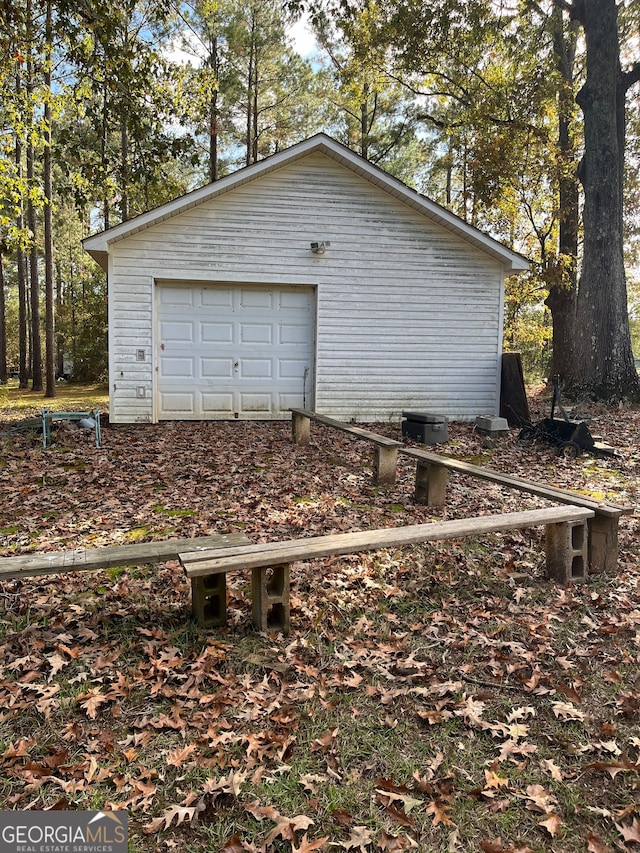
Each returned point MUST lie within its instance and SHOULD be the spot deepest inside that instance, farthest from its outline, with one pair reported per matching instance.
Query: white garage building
(311, 278)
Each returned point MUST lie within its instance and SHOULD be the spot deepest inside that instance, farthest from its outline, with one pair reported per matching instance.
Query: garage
(311, 278)
(233, 351)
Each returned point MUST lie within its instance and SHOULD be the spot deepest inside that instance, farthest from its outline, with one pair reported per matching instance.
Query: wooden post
(300, 428)
(431, 483)
(567, 545)
(603, 543)
(385, 464)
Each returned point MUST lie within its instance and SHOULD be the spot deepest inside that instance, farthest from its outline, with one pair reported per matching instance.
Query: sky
(302, 38)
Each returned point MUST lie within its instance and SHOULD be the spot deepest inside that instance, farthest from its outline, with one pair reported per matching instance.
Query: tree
(604, 367)
(50, 361)
(3, 322)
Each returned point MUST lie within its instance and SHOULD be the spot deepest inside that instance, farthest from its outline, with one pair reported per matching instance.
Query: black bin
(425, 427)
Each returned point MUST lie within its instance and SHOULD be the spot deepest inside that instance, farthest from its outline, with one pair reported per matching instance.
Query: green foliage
(458, 98)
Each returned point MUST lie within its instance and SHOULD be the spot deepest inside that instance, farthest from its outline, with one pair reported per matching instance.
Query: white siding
(408, 314)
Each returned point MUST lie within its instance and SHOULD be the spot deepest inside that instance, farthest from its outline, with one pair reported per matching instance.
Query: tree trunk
(214, 64)
(602, 338)
(124, 169)
(563, 291)
(20, 271)
(50, 333)
(250, 81)
(36, 341)
(3, 326)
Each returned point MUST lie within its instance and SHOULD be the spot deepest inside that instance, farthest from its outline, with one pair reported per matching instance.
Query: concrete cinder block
(209, 600)
(492, 425)
(270, 598)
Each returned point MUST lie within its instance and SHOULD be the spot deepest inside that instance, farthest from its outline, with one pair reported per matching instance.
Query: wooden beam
(86, 559)
(288, 551)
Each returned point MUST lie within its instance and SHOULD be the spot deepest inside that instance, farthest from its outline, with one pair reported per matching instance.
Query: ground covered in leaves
(444, 697)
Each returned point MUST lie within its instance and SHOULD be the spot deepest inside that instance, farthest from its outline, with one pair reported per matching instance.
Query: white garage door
(233, 351)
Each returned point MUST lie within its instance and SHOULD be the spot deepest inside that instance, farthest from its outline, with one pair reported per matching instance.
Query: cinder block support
(603, 544)
(270, 598)
(385, 465)
(431, 484)
(209, 600)
(300, 428)
(567, 546)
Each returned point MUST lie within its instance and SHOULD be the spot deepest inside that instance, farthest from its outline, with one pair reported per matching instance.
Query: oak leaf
(439, 812)
(567, 711)
(630, 831)
(359, 839)
(177, 757)
(394, 843)
(179, 813)
(307, 846)
(91, 702)
(233, 845)
(552, 824)
(552, 767)
(596, 844)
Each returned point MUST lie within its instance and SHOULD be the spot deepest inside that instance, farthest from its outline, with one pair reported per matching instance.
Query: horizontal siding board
(405, 308)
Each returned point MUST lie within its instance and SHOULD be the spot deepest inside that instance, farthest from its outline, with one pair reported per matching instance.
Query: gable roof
(98, 244)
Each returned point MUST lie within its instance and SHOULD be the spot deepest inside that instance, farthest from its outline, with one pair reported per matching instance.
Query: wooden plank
(86, 559)
(540, 489)
(350, 428)
(288, 551)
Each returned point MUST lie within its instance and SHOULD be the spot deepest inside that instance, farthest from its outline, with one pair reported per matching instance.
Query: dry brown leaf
(596, 844)
(306, 846)
(630, 831)
(439, 812)
(233, 845)
(177, 813)
(359, 839)
(177, 757)
(554, 770)
(552, 824)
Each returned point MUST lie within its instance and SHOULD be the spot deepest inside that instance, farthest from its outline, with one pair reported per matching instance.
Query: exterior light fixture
(320, 247)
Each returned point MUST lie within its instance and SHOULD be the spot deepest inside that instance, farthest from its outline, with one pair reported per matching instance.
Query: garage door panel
(262, 299)
(183, 368)
(292, 299)
(216, 333)
(254, 403)
(177, 332)
(233, 351)
(256, 333)
(256, 368)
(292, 368)
(292, 333)
(217, 405)
(178, 296)
(179, 404)
(218, 297)
(216, 368)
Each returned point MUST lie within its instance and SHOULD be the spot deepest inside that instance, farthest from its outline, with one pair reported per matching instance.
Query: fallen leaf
(553, 768)
(179, 813)
(630, 831)
(177, 757)
(233, 845)
(439, 812)
(552, 824)
(359, 839)
(307, 846)
(596, 844)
